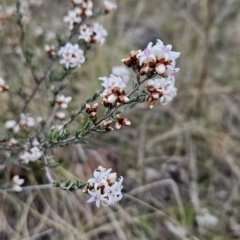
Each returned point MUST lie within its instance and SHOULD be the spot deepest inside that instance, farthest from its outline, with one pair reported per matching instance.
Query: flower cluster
(92, 110)
(83, 9)
(93, 33)
(158, 59)
(161, 89)
(113, 91)
(3, 86)
(25, 122)
(32, 153)
(72, 55)
(104, 187)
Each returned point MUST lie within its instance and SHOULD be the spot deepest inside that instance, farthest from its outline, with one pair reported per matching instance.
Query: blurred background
(180, 162)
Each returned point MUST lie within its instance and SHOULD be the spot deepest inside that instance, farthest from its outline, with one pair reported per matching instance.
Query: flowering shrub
(30, 138)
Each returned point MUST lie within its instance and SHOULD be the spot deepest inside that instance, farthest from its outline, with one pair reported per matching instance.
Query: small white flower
(16, 182)
(100, 33)
(109, 6)
(121, 71)
(99, 174)
(72, 18)
(96, 196)
(93, 33)
(63, 101)
(160, 49)
(147, 55)
(12, 125)
(87, 8)
(72, 55)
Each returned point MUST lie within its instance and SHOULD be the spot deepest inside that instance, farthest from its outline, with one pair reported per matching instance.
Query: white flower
(121, 71)
(113, 193)
(109, 6)
(11, 125)
(171, 72)
(26, 121)
(31, 155)
(104, 188)
(96, 196)
(72, 18)
(86, 33)
(160, 49)
(16, 182)
(99, 175)
(100, 33)
(111, 82)
(147, 55)
(93, 33)
(63, 101)
(3, 86)
(87, 8)
(72, 55)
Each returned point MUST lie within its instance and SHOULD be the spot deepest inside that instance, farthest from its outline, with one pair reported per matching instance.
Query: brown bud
(121, 121)
(92, 114)
(123, 99)
(95, 107)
